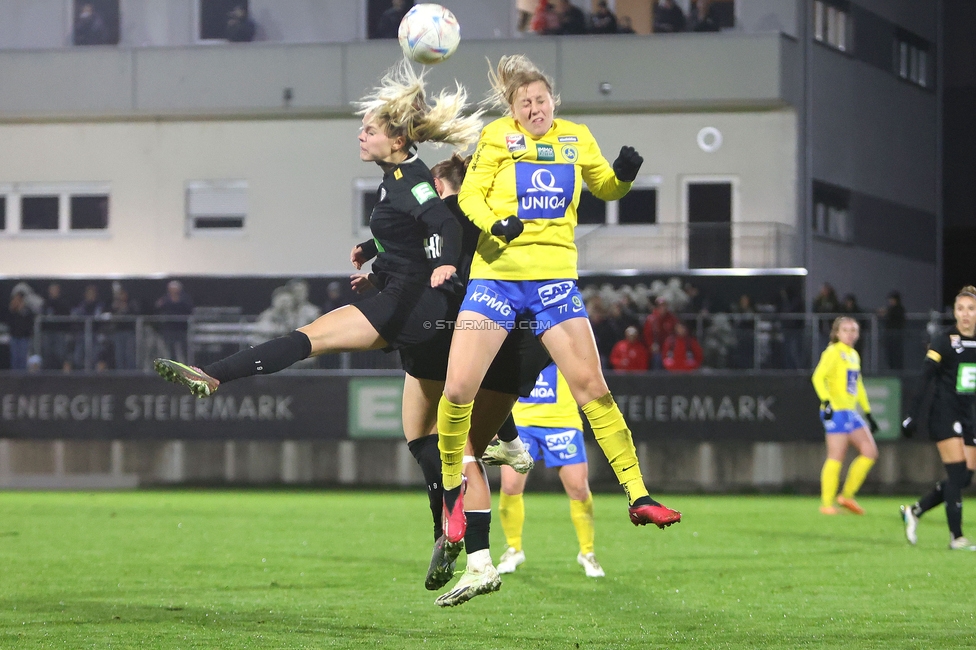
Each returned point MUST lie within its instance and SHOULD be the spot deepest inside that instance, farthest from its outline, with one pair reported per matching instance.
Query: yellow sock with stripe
(856, 473)
(453, 424)
(581, 512)
(829, 480)
(617, 443)
(511, 509)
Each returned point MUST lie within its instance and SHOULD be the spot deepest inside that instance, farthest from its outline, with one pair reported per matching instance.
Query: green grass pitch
(345, 570)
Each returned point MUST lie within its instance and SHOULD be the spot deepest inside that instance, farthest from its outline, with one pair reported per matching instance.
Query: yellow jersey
(539, 181)
(550, 404)
(837, 378)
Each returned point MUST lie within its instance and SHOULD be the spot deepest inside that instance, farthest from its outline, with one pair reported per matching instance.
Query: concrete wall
(667, 467)
(301, 175)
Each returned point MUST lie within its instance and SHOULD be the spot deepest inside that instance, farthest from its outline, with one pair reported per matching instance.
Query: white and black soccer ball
(429, 33)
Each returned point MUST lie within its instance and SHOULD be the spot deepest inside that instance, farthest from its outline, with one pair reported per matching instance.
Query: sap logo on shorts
(544, 191)
(544, 391)
(966, 378)
(560, 441)
(515, 142)
(555, 292)
(491, 299)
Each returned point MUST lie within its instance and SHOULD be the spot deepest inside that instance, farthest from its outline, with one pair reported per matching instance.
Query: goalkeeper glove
(871, 423)
(908, 427)
(508, 228)
(828, 411)
(627, 164)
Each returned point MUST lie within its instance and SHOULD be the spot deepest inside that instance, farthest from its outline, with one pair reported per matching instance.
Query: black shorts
(513, 371)
(943, 426)
(406, 314)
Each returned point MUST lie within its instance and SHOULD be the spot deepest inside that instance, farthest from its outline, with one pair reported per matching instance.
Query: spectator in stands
(789, 303)
(304, 311)
(89, 28)
(624, 26)
(630, 353)
(602, 21)
(850, 307)
(20, 320)
(697, 304)
(333, 297)
(668, 18)
(603, 330)
(719, 342)
(56, 337)
(124, 309)
(701, 17)
(389, 22)
(658, 326)
(571, 18)
(526, 10)
(681, 351)
(893, 319)
(279, 318)
(745, 332)
(177, 305)
(89, 307)
(240, 27)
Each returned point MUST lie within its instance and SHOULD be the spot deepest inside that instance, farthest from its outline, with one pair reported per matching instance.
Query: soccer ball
(429, 33)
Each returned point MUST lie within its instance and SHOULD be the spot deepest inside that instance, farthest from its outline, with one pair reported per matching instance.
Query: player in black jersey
(950, 374)
(406, 219)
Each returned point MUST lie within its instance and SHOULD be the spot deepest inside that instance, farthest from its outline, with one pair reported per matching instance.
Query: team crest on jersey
(382, 192)
(544, 191)
(569, 153)
(515, 142)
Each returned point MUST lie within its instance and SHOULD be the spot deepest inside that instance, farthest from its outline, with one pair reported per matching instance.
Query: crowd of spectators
(564, 17)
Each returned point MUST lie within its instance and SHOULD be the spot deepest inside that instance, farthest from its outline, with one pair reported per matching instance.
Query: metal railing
(749, 341)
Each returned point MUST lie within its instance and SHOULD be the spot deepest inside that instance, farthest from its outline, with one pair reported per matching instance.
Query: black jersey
(469, 238)
(951, 369)
(413, 231)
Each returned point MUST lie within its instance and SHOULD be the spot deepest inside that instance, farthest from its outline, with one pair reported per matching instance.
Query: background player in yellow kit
(837, 380)
(550, 427)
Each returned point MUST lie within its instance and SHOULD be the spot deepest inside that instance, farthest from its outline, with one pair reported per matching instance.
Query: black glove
(828, 411)
(508, 228)
(908, 426)
(871, 423)
(627, 164)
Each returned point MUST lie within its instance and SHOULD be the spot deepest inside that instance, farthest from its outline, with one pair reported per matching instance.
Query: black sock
(644, 501)
(264, 359)
(429, 458)
(508, 431)
(476, 536)
(952, 492)
(930, 500)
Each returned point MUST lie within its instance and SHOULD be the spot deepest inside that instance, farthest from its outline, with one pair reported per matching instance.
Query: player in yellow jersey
(550, 427)
(521, 189)
(837, 380)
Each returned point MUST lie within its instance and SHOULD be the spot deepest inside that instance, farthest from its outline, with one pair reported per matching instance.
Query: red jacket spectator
(629, 353)
(658, 326)
(681, 351)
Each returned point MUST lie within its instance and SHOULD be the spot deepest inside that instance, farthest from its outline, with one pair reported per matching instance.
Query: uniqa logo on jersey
(544, 391)
(544, 191)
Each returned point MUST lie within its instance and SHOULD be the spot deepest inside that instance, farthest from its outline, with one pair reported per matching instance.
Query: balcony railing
(749, 342)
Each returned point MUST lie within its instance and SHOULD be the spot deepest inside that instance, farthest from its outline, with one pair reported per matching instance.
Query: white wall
(301, 175)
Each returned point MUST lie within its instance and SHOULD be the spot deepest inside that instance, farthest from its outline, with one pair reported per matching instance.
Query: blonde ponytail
(399, 103)
(514, 72)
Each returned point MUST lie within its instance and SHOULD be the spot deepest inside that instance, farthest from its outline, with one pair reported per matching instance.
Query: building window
(831, 211)
(639, 206)
(365, 195)
(591, 210)
(831, 23)
(54, 208)
(216, 206)
(96, 22)
(912, 58)
(214, 15)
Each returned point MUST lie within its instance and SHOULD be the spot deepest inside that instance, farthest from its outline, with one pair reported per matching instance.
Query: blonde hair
(514, 72)
(399, 103)
(968, 291)
(835, 328)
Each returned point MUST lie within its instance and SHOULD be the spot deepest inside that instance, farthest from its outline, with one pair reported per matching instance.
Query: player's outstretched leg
(200, 383)
(509, 450)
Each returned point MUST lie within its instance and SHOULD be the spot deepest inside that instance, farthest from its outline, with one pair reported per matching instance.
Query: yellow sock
(581, 512)
(453, 424)
(617, 443)
(511, 509)
(829, 479)
(856, 473)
